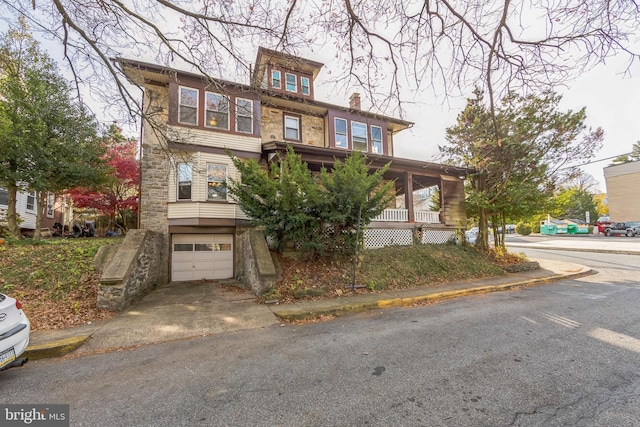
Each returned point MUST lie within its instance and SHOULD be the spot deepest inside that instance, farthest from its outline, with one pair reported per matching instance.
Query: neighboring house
(26, 205)
(622, 183)
(183, 196)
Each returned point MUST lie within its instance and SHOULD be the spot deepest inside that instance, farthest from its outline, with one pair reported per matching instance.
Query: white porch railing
(429, 217)
(393, 215)
(402, 215)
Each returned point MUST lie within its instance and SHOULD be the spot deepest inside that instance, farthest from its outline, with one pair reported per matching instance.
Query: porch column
(408, 195)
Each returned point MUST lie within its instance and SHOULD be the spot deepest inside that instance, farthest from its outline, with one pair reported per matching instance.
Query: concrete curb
(56, 348)
(338, 308)
(556, 248)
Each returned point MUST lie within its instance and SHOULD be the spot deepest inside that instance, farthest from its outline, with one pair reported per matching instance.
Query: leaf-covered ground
(57, 283)
(391, 268)
(55, 280)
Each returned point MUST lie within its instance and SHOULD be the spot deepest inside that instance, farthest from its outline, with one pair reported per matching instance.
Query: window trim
(197, 107)
(4, 190)
(190, 165)
(303, 86)
(226, 176)
(31, 194)
(295, 82)
(273, 79)
(298, 120)
(206, 110)
(373, 140)
(238, 115)
(51, 205)
(346, 133)
(366, 136)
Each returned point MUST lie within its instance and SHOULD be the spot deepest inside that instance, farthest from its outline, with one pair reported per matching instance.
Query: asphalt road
(563, 354)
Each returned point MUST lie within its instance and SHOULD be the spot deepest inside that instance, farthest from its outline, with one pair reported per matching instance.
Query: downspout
(140, 154)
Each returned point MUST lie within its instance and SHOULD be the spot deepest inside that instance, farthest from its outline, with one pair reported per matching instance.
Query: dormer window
(275, 79)
(359, 136)
(376, 139)
(305, 86)
(291, 82)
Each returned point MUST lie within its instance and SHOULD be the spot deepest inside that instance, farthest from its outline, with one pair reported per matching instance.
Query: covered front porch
(429, 205)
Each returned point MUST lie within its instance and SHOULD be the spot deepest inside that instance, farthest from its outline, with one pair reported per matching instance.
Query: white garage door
(201, 256)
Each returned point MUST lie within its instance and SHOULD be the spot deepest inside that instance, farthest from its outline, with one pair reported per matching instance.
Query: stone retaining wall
(135, 269)
(258, 270)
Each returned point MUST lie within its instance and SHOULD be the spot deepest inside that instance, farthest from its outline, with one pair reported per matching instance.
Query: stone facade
(272, 127)
(136, 268)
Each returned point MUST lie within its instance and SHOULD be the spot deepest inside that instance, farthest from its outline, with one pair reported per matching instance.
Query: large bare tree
(390, 48)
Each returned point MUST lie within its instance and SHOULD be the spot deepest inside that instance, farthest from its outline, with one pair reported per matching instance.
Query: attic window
(275, 79)
(305, 87)
(291, 82)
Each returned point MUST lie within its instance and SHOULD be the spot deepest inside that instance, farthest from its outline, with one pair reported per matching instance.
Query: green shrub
(523, 228)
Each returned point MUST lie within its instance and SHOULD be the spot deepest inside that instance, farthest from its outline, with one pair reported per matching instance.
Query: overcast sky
(612, 101)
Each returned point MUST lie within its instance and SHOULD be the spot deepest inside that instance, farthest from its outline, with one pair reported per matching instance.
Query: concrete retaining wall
(133, 270)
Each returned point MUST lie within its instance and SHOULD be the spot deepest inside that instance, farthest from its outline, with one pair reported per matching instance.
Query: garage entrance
(201, 256)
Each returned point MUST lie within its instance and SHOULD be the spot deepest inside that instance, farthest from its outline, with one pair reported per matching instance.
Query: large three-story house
(190, 120)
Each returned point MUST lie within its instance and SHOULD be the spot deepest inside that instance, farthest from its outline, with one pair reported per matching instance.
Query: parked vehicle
(14, 333)
(622, 228)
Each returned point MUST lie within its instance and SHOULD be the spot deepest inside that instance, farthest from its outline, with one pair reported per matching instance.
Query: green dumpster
(572, 229)
(548, 229)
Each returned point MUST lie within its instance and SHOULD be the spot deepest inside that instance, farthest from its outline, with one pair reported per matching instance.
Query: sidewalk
(181, 311)
(587, 243)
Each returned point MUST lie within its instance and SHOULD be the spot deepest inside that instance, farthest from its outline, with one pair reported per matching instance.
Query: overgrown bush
(523, 228)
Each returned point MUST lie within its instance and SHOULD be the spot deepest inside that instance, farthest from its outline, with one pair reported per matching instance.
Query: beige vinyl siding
(209, 138)
(202, 210)
(199, 207)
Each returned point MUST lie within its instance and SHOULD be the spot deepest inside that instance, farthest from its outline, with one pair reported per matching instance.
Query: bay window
(185, 176)
(216, 182)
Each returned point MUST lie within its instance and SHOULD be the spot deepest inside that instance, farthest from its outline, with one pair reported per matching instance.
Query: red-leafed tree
(118, 198)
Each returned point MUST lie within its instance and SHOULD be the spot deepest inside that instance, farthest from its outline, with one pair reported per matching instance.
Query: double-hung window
(216, 182)
(4, 197)
(188, 106)
(244, 115)
(342, 140)
(305, 86)
(275, 79)
(376, 139)
(185, 176)
(359, 136)
(291, 82)
(217, 111)
(51, 200)
(292, 127)
(31, 201)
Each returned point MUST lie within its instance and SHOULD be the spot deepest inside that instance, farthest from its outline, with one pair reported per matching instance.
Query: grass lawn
(58, 285)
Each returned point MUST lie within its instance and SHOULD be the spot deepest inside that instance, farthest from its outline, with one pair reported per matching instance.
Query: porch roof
(322, 156)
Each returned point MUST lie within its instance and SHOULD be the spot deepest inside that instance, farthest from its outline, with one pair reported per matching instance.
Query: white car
(14, 333)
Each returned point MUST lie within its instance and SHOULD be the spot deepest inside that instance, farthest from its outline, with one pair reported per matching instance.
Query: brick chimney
(354, 101)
